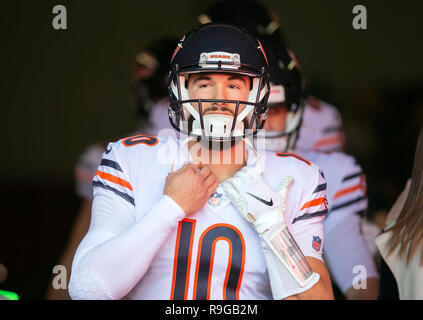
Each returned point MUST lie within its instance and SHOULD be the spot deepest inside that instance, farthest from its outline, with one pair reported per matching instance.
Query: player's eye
(236, 85)
(204, 84)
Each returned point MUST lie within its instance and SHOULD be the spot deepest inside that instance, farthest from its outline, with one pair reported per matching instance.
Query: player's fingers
(283, 188)
(205, 172)
(230, 191)
(210, 179)
(237, 183)
(194, 166)
(212, 188)
(246, 175)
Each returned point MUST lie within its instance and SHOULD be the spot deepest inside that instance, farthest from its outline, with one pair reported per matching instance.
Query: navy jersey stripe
(348, 203)
(332, 129)
(111, 164)
(119, 193)
(320, 187)
(352, 176)
(311, 215)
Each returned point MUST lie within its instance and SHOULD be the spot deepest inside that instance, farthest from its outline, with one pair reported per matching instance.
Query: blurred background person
(401, 242)
(290, 128)
(149, 98)
(345, 246)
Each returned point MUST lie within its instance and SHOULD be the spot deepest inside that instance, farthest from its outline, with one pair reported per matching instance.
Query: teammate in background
(205, 229)
(345, 247)
(150, 101)
(321, 126)
(149, 86)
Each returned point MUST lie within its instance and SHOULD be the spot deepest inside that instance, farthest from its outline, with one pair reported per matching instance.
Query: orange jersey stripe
(343, 192)
(114, 179)
(312, 203)
(327, 141)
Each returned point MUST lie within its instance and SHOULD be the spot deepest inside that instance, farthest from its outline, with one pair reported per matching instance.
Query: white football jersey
(321, 128)
(141, 246)
(345, 247)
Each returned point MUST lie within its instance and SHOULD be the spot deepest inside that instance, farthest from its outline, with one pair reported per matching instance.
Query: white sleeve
(345, 250)
(117, 250)
(306, 227)
(345, 244)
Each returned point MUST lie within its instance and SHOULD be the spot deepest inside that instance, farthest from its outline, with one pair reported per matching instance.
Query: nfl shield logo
(215, 199)
(316, 243)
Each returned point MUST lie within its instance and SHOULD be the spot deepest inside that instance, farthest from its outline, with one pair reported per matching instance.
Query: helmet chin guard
(218, 125)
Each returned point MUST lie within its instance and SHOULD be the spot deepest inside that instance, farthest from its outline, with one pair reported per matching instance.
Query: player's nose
(221, 92)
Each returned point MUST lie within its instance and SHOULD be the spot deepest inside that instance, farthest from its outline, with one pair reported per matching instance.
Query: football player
(216, 219)
(300, 124)
(150, 103)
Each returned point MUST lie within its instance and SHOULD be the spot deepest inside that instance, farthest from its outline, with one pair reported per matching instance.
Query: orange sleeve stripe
(114, 179)
(343, 192)
(312, 203)
(327, 141)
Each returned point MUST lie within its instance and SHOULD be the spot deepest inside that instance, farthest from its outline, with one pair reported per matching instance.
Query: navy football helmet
(218, 48)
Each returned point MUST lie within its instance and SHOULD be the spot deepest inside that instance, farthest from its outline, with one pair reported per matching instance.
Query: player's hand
(257, 202)
(288, 269)
(191, 186)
